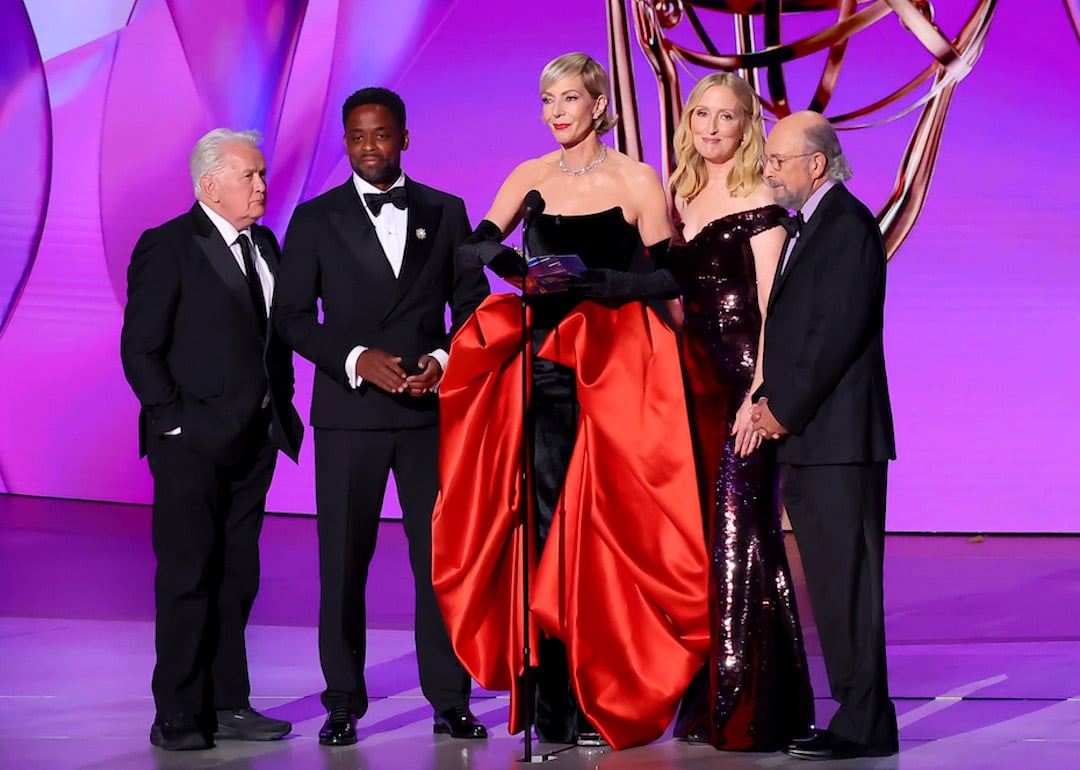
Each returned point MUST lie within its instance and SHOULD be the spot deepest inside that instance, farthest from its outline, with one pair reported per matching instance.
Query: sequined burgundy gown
(754, 693)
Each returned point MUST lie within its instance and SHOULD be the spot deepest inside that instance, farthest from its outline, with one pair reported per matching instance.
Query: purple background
(102, 101)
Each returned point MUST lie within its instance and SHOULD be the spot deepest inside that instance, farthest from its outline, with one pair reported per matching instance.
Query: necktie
(792, 224)
(396, 196)
(258, 302)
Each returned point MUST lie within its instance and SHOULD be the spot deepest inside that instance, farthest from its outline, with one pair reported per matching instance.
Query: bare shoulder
(526, 176)
(761, 196)
(645, 196)
(527, 173)
(640, 180)
(635, 171)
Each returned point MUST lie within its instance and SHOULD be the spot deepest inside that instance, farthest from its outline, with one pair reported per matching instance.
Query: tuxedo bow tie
(396, 196)
(792, 224)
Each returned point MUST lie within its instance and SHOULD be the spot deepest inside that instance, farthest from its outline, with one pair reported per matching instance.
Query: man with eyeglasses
(825, 399)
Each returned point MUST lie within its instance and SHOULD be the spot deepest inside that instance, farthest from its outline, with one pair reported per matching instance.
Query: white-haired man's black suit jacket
(196, 357)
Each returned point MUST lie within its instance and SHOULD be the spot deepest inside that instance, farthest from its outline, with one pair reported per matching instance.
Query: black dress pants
(351, 471)
(205, 532)
(838, 515)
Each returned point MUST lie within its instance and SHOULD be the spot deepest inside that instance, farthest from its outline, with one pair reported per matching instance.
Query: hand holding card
(550, 273)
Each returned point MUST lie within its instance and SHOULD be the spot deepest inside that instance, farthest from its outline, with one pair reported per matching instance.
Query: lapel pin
(421, 233)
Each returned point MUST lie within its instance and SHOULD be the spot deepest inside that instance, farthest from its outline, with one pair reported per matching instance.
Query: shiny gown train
(619, 578)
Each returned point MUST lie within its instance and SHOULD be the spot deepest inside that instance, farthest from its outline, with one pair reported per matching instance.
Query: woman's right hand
(747, 437)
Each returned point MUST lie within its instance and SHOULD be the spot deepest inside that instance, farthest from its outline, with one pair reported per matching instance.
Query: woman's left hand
(747, 437)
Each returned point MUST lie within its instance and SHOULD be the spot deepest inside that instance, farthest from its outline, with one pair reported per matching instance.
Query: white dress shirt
(391, 228)
(230, 234)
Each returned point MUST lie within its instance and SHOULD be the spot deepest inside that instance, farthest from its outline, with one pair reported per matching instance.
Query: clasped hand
(747, 438)
(765, 424)
(384, 372)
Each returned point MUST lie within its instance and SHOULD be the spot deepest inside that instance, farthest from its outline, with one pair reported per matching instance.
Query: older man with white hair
(215, 385)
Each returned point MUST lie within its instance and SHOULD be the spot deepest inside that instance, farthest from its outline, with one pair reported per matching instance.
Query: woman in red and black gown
(754, 694)
(619, 572)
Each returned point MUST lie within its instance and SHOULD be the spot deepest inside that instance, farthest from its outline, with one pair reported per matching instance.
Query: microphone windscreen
(534, 204)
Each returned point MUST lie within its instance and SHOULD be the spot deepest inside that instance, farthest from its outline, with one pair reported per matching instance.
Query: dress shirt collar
(812, 202)
(228, 232)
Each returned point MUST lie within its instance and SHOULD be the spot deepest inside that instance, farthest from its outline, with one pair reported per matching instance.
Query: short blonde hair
(690, 176)
(593, 75)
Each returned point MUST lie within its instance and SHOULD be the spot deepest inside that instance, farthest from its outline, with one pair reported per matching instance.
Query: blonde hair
(690, 175)
(593, 75)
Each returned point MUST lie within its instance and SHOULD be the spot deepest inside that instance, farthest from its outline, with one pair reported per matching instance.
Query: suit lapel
(420, 233)
(222, 260)
(352, 223)
(807, 233)
(777, 275)
(268, 250)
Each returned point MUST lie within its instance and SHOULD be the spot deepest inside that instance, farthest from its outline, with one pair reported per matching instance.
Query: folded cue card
(549, 273)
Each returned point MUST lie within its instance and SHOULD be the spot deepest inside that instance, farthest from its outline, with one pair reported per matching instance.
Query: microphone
(534, 205)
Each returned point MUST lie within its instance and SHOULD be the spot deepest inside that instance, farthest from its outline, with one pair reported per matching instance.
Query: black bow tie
(397, 196)
(792, 224)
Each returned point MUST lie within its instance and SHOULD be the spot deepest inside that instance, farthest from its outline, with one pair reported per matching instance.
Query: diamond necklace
(585, 169)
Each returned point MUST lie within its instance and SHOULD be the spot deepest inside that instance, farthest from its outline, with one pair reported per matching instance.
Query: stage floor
(984, 655)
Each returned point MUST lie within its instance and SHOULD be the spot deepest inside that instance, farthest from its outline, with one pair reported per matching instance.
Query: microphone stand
(524, 497)
(533, 204)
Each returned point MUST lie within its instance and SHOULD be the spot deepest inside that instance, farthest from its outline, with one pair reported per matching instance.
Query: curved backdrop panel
(102, 102)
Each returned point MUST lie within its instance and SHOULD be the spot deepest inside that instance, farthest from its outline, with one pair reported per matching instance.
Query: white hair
(206, 157)
(822, 138)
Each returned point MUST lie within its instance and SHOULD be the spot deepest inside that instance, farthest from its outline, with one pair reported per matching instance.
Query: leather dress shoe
(179, 734)
(339, 729)
(823, 745)
(247, 724)
(459, 722)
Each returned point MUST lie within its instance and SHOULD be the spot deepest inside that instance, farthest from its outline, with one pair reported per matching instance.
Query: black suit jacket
(824, 364)
(191, 346)
(333, 256)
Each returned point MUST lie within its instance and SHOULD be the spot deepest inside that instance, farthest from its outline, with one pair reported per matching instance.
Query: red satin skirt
(623, 580)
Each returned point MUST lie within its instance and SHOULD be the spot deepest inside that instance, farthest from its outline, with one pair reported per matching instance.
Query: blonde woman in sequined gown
(754, 693)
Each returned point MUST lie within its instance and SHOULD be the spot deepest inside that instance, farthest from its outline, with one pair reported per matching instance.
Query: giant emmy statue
(678, 37)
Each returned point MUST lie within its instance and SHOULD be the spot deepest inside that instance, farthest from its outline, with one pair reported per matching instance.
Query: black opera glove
(484, 248)
(654, 283)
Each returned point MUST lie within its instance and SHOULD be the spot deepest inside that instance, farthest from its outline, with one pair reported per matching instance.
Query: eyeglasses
(776, 162)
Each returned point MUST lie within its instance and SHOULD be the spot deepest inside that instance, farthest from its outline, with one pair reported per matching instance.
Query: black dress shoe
(179, 735)
(247, 724)
(823, 745)
(459, 722)
(339, 729)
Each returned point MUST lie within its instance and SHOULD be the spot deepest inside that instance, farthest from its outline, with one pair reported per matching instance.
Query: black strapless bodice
(603, 239)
